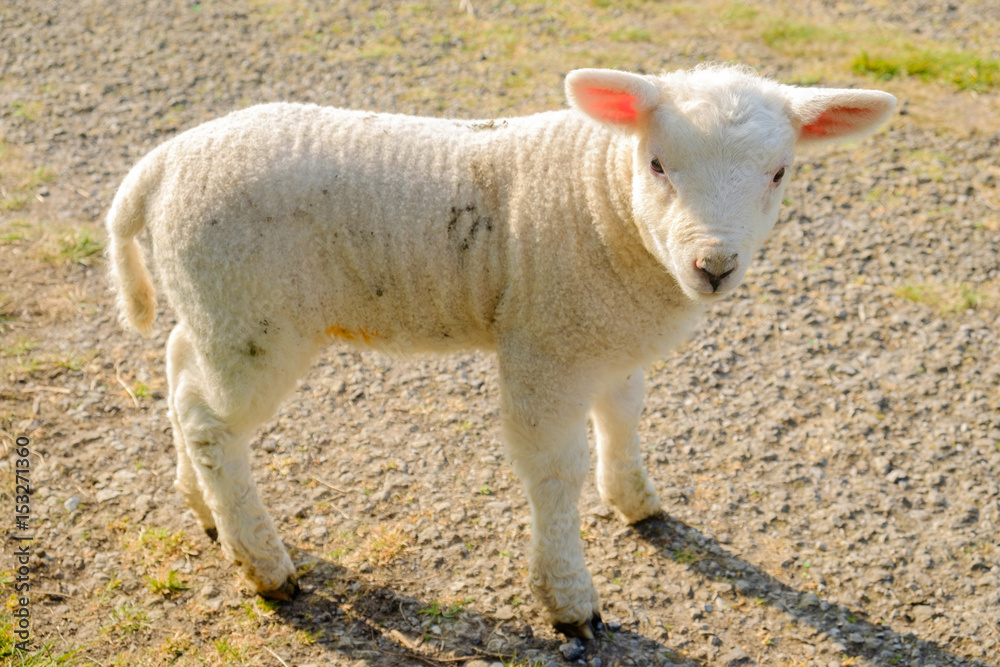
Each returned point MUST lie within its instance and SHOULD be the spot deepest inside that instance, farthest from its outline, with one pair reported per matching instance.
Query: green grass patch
(687, 555)
(785, 34)
(737, 15)
(256, 612)
(16, 198)
(631, 35)
(152, 547)
(964, 70)
(161, 541)
(952, 298)
(16, 231)
(127, 620)
(38, 656)
(79, 246)
(26, 361)
(25, 110)
(166, 586)
(513, 661)
(19, 349)
(438, 611)
(230, 653)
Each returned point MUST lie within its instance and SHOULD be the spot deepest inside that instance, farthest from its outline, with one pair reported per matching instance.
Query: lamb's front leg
(621, 478)
(546, 438)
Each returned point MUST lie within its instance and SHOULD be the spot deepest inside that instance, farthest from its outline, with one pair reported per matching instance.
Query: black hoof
(285, 594)
(586, 631)
(213, 534)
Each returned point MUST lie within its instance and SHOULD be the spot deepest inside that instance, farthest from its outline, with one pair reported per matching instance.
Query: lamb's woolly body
(446, 234)
(284, 227)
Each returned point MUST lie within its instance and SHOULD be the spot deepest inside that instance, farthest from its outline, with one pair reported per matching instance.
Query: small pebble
(572, 649)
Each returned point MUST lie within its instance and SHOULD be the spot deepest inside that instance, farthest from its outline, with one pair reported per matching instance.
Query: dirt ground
(827, 446)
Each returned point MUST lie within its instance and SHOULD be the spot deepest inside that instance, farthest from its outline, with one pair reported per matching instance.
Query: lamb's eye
(778, 175)
(656, 166)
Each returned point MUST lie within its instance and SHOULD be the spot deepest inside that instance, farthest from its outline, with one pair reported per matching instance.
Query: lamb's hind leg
(215, 429)
(621, 478)
(186, 482)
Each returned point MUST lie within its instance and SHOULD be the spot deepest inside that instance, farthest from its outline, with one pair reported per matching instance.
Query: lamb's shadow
(358, 619)
(854, 636)
(353, 618)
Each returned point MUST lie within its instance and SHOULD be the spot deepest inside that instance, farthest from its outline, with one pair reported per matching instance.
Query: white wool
(552, 239)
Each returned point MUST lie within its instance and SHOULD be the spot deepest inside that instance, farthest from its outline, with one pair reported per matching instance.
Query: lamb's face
(712, 149)
(707, 186)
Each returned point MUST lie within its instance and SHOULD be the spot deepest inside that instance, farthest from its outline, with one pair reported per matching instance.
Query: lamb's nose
(715, 268)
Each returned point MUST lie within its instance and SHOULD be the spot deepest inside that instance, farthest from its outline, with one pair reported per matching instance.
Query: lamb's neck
(613, 166)
(609, 200)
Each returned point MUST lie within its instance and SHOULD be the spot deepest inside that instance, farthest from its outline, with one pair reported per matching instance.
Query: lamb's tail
(129, 276)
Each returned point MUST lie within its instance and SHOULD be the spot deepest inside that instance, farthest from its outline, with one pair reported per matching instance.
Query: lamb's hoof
(213, 534)
(585, 631)
(285, 594)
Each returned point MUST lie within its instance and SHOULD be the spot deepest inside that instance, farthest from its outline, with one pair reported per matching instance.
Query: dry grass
(382, 544)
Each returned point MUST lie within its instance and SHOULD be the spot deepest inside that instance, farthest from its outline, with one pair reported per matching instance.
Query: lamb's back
(391, 229)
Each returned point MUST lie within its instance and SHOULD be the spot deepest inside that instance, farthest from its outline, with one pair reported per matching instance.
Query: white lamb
(579, 244)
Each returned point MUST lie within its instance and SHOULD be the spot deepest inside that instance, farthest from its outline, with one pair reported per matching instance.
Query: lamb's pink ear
(616, 98)
(823, 114)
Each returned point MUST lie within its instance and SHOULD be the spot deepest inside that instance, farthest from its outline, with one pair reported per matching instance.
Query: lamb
(578, 244)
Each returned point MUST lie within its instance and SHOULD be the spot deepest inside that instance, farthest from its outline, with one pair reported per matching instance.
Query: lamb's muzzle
(716, 268)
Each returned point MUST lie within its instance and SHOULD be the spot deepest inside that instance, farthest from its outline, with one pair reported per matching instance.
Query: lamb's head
(712, 150)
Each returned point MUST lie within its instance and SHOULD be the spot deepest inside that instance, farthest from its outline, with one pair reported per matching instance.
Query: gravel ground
(827, 446)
